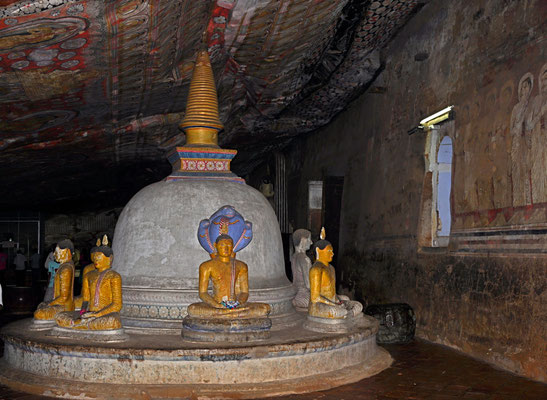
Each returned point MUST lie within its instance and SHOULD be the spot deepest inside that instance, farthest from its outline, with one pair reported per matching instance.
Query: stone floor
(421, 371)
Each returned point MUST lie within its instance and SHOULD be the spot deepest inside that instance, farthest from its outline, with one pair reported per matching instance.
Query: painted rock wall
(486, 293)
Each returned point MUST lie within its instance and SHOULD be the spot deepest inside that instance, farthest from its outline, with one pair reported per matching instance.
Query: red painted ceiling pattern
(94, 86)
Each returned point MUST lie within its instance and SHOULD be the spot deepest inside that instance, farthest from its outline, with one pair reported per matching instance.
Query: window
(315, 206)
(436, 216)
(443, 185)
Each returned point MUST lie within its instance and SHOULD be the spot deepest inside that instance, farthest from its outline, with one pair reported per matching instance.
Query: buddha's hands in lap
(238, 309)
(221, 306)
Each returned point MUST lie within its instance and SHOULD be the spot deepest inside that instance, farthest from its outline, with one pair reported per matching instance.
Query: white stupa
(155, 242)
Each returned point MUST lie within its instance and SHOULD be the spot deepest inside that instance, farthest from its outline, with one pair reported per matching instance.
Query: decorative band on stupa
(201, 157)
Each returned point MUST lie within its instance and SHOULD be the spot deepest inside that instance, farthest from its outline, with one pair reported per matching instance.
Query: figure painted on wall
(521, 143)
(484, 162)
(538, 149)
(470, 156)
(500, 148)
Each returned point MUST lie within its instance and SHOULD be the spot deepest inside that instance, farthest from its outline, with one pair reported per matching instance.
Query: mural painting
(43, 50)
(504, 144)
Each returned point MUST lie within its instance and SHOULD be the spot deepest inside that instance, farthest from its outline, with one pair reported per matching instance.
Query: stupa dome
(157, 252)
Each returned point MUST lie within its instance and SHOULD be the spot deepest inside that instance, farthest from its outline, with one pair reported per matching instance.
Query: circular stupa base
(291, 361)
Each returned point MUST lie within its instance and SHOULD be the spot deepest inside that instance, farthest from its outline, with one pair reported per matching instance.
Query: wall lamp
(429, 122)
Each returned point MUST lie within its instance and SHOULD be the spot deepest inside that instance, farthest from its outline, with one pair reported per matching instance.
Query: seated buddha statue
(324, 302)
(300, 265)
(101, 295)
(63, 284)
(229, 278)
(78, 300)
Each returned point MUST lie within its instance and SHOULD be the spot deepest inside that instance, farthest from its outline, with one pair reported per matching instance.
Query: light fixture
(429, 122)
(440, 116)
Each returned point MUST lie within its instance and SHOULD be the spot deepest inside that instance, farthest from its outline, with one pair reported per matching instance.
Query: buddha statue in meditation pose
(101, 295)
(300, 265)
(78, 300)
(230, 286)
(324, 302)
(63, 284)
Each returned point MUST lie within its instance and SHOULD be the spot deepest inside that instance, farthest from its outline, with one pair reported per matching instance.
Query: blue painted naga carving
(226, 221)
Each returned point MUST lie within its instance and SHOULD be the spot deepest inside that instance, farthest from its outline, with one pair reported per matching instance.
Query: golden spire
(201, 122)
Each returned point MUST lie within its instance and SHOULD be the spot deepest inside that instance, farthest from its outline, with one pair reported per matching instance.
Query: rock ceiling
(92, 91)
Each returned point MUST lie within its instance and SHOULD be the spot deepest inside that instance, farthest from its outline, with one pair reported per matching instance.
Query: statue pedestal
(98, 336)
(226, 330)
(335, 325)
(42, 324)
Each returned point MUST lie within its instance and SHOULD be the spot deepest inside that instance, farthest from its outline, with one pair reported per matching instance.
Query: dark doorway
(333, 188)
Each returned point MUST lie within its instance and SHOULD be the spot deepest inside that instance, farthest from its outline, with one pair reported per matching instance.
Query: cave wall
(82, 228)
(486, 293)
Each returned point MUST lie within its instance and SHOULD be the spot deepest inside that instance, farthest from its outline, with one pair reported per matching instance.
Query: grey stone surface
(226, 330)
(166, 366)
(98, 336)
(41, 325)
(334, 325)
(158, 255)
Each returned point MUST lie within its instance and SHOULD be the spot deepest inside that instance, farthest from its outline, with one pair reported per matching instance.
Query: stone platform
(219, 330)
(293, 360)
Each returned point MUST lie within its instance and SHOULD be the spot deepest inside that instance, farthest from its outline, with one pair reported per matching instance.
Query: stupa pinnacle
(201, 122)
(201, 157)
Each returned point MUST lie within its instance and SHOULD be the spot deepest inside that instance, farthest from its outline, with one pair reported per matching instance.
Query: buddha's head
(224, 246)
(525, 87)
(323, 249)
(302, 239)
(93, 251)
(324, 254)
(103, 257)
(63, 251)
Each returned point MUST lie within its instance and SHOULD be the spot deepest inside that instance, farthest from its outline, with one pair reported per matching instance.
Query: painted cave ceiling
(92, 91)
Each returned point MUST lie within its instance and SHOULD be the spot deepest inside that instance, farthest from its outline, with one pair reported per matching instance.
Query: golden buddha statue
(101, 295)
(324, 302)
(230, 287)
(78, 300)
(63, 285)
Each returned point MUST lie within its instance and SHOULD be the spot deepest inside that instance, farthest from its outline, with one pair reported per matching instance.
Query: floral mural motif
(40, 33)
